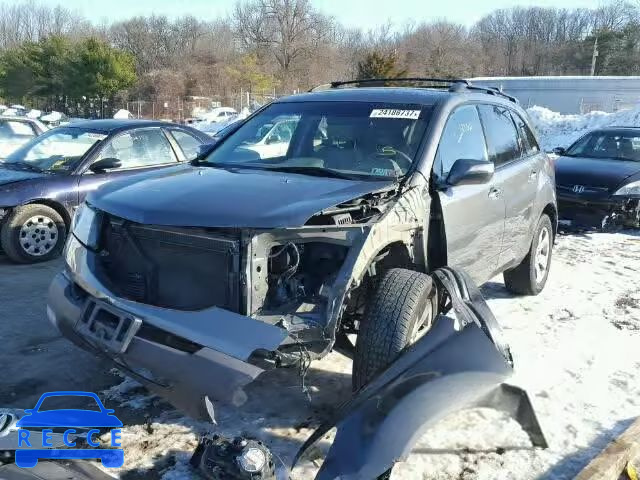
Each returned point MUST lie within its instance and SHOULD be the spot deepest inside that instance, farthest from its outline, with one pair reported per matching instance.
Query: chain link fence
(183, 110)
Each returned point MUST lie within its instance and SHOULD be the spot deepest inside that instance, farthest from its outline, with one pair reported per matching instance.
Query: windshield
(612, 145)
(58, 150)
(355, 139)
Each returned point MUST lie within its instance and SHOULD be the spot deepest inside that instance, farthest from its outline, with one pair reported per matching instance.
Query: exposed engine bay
(297, 272)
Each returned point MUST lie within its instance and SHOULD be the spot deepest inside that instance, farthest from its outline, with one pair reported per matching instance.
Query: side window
(187, 142)
(528, 143)
(462, 138)
(139, 148)
(502, 137)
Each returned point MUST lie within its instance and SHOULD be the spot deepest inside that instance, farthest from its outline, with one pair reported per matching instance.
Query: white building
(570, 94)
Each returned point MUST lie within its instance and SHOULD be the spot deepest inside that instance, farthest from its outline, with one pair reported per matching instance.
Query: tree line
(279, 46)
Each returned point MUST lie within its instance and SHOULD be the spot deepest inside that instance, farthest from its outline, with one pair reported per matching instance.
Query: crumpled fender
(462, 363)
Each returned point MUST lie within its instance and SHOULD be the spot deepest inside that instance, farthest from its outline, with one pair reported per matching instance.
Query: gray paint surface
(570, 94)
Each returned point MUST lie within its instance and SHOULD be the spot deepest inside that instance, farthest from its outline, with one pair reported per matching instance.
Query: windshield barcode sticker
(393, 113)
(97, 136)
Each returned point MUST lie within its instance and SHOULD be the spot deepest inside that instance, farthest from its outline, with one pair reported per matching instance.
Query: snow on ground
(575, 347)
(558, 130)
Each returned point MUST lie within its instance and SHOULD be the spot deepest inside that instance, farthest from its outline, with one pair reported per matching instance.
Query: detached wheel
(530, 277)
(400, 312)
(33, 233)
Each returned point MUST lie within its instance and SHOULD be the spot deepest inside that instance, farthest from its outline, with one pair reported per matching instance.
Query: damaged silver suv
(315, 221)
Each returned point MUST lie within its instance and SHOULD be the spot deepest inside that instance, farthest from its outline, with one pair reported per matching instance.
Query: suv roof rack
(402, 79)
(488, 90)
(453, 84)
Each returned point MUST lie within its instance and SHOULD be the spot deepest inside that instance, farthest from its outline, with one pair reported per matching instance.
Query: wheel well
(394, 255)
(56, 206)
(550, 210)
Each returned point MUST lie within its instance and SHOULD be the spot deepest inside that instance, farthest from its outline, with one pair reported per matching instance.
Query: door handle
(495, 193)
(533, 175)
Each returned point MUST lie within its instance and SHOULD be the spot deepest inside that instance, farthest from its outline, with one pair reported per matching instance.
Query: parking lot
(34, 357)
(575, 348)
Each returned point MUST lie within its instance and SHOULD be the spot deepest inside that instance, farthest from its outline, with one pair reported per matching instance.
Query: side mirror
(559, 150)
(470, 172)
(205, 149)
(105, 164)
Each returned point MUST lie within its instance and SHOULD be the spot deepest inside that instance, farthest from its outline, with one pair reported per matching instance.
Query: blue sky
(356, 13)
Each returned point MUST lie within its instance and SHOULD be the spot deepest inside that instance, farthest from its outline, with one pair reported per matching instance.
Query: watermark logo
(68, 434)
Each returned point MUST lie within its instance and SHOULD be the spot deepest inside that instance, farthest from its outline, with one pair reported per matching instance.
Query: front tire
(530, 277)
(33, 233)
(401, 311)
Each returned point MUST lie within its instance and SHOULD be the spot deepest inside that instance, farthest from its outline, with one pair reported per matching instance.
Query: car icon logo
(38, 424)
(578, 188)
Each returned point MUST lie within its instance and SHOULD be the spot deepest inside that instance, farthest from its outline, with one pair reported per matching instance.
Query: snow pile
(130, 393)
(575, 348)
(558, 130)
(123, 114)
(52, 117)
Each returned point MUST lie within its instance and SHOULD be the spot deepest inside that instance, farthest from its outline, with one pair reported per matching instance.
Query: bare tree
(289, 30)
(30, 21)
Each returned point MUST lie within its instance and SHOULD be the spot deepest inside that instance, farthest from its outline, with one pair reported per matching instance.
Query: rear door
(473, 214)
(138, 150)
(516, 177)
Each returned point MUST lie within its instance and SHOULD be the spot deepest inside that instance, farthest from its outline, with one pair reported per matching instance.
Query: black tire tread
(389, 318)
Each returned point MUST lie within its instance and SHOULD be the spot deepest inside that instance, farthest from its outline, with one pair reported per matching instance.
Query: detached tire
(33, 233)
(402, 309)
(530, 277)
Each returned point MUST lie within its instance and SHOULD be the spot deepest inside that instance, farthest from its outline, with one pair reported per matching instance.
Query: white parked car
(272, 140)
(16, 131)
(219, 114)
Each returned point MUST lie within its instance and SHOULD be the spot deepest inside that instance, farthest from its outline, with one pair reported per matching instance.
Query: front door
(473, 214)
(138, 150)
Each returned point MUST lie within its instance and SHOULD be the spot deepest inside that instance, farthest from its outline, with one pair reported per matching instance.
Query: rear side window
(187, 142)
(462, 138)
(502, 137)
(528, 143)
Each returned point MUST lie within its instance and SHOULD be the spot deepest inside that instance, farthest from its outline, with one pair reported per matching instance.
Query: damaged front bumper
(184, 356)
(598, 211)
(461, 363)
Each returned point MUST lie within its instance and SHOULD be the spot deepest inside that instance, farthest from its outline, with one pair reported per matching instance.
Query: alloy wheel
(543, 254)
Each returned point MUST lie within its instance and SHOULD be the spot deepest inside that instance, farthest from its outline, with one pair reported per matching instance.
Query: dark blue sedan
(42, 182)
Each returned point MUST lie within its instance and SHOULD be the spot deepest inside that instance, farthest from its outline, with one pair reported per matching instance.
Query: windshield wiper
(316, 171)
(301, 169)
